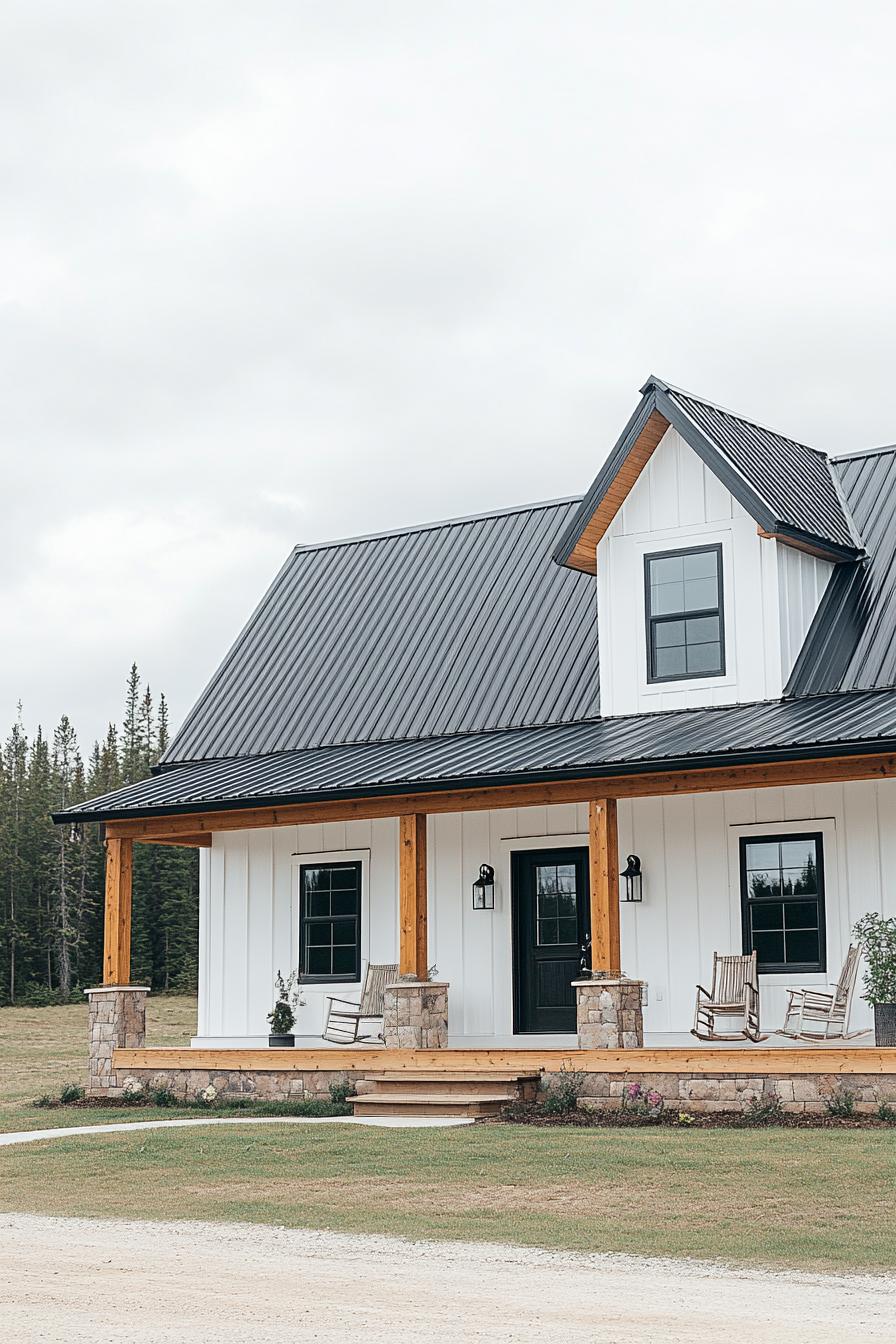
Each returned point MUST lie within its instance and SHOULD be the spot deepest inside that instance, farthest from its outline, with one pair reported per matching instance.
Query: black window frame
(307, 920)
(746, 902)
(651, 621)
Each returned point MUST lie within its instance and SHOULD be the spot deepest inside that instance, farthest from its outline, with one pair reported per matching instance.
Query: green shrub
(563, 1093)
(46, 1102)
(71, 1092)
(766, 1110)
(341, 1089)
(887, 1113)
(162, 1096)
(841, 1103)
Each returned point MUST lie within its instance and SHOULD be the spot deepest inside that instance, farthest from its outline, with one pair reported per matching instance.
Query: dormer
(713, 540)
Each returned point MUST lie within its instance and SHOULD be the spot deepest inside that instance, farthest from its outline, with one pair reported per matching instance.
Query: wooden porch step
(432, 1103)
(510, 1085)
(436, 1092)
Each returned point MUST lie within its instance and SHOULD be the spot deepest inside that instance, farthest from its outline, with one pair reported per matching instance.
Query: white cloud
(279, 272)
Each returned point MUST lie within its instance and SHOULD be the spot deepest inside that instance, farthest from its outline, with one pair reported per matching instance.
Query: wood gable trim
(583, 555)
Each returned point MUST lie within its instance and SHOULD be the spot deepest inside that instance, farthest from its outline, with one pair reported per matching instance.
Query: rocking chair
(822, 1014)
(344, 1016)
(734, 994)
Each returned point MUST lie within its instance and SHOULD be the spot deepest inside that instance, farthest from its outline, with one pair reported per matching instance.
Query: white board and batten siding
(771, 591)
(691, 908)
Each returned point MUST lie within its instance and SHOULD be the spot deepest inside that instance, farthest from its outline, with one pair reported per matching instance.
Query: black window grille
(782, 895)
(685, 621)
(330, 921)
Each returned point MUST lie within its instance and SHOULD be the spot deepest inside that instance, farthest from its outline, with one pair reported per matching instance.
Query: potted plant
(878, 939)
(283, 1016)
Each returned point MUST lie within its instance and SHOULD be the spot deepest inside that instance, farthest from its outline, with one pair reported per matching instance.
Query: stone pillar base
(116, 1017)
(608, 1013)
(415, 1015)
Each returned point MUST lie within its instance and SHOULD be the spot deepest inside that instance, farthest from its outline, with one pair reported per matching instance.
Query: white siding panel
(691, 907)
(802, 580)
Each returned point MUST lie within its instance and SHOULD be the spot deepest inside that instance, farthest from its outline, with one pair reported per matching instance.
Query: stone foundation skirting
(735, 1091)
(267, 1085)
(693, 1092)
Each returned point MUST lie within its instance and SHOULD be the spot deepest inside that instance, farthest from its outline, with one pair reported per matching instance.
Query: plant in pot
(283, 1016)
(877, 937)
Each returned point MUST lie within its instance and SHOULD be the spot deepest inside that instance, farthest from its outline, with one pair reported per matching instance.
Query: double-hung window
(685, 625)
(330, 921)
(782, 894)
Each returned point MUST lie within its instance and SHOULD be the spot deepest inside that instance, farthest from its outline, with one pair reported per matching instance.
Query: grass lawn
(804, 1198)
(43, 1048)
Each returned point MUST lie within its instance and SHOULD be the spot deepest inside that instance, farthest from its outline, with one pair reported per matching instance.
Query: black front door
(550, 922)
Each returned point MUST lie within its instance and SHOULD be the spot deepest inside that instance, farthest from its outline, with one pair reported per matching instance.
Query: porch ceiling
(850, 735)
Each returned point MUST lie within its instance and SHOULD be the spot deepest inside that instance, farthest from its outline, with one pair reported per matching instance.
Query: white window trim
(697, 536)
(299, 861)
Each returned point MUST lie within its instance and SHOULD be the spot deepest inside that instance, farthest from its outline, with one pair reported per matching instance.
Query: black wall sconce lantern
(484, 888)
(632, 875)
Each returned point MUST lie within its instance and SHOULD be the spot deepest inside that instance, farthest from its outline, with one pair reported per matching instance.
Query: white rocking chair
(734, 994)
(344, 1016)
(821, 1014)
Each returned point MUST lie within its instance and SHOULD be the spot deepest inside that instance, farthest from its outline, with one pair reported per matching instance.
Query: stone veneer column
(415, 1015)
(116, 1017)
(608, 1013)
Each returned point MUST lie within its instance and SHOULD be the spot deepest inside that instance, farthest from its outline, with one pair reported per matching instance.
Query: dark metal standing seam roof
(457, 627)
(689, 738)
(794, 480)
(851, 644)
(787, 487)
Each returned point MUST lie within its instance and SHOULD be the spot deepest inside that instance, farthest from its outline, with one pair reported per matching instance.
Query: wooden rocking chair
(822, 1014)
(734, 993)
(344, 1016)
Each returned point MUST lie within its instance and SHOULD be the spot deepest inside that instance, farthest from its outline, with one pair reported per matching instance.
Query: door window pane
(556, 918)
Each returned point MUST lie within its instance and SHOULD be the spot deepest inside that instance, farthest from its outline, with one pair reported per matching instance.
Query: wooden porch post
(603, 850)
(413, 952)
(117, 924)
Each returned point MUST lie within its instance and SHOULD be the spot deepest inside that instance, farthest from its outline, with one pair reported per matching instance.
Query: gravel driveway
(70, 1280)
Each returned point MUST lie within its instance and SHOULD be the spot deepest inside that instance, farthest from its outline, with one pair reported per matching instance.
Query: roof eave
(680, 764)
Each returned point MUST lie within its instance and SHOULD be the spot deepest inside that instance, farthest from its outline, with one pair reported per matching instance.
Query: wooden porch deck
(751, 1060)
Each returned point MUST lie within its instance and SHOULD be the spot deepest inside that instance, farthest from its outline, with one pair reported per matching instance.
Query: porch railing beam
(413, 941)
(117, 921)
(603, 852)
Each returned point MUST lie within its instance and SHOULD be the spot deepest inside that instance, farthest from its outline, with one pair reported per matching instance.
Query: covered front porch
(418, 856)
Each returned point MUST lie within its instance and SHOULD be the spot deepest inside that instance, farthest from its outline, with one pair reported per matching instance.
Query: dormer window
(685, 627)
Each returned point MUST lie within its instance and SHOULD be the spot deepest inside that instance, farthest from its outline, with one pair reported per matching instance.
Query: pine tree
(52, 878)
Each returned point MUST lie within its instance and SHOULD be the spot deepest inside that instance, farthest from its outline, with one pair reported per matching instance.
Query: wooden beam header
(834, 769)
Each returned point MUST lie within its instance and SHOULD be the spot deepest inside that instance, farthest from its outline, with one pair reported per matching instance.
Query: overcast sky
(278, 272)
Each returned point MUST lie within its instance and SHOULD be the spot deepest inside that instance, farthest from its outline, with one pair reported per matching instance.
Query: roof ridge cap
(736, 415)
(411, 528)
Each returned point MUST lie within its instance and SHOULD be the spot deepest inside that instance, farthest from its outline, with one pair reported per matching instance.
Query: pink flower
(653, 1098)
(633, 1091)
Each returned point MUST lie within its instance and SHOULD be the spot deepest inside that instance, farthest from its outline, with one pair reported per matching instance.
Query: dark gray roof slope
(786, 486)
(851, 644)
(457, 627)
(794, 480)
(735, 734)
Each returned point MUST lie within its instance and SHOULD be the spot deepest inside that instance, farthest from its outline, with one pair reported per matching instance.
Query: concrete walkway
(80, 1281)
(381, 1122)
